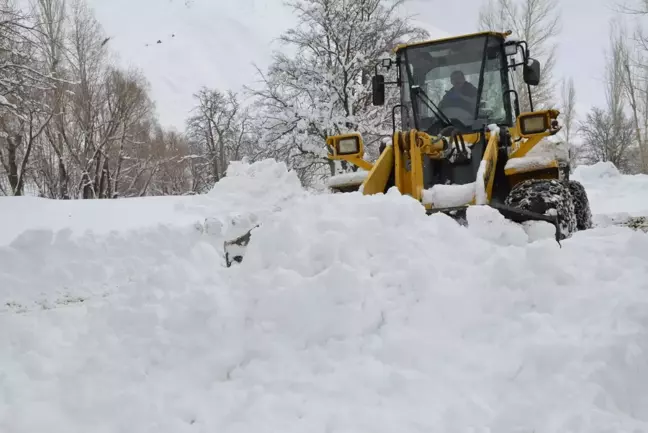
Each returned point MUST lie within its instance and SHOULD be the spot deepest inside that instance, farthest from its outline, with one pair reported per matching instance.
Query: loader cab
(457, 88)
(430, 96)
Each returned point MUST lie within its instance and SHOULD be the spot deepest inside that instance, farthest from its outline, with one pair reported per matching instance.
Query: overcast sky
(583, 38)
(216, 42)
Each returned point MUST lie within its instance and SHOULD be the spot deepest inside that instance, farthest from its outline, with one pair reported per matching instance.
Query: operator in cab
(462, 95)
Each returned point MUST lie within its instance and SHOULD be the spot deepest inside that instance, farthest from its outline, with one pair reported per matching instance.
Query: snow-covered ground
(613, 196)
(348, 314)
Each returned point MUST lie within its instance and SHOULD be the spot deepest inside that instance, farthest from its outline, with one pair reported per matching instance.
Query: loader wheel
(581, 205)
(547, 197)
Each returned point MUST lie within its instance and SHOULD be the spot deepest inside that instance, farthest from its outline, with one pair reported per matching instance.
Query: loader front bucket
(235, 248)
(509, 212)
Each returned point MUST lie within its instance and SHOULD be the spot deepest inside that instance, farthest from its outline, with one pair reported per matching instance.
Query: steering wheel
(435, 126)
(454, 112)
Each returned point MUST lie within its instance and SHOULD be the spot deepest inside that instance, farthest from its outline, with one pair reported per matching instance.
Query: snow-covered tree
(608, 137)
(25, 84)
(51, 172)
(323, 86)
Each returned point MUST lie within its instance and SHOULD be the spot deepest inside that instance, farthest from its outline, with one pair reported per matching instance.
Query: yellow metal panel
(398, 162)
(529, 141)
(377, 179)
(525, 146)
(545, 173)
(490, 156)
(416, 182)
(401, 157)
(365, 165)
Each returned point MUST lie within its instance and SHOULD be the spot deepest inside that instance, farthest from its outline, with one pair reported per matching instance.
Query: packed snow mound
(349, 313)
(614, 197)
(367, 299)
(262, 180)
(45, 269)
(22, 214)
(247, 194)
(596, 172)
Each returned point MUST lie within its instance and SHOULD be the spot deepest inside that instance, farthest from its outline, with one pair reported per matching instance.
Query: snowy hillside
(349, 314)
(213, 43)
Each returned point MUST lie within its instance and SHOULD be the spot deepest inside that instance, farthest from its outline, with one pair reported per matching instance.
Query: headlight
(349, 146)
(533, 124)
(345, 146)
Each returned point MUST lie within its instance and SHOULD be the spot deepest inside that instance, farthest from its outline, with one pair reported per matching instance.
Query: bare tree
(54, 157)
(217, 131)
(537, 22)
(568, 111)
(126, 113)
(24, 85)
(173, 174)
(614, 79)
(609, 133)
(634, 81)
(607, 138)
(86, 57)
(73, 126)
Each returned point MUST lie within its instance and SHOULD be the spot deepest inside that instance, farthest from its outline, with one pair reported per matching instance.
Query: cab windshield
(465, 79)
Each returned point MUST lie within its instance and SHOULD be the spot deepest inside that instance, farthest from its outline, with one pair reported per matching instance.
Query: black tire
(581, 205)
(547, 197)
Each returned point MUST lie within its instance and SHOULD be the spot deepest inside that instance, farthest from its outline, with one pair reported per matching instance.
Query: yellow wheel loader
(462, 139)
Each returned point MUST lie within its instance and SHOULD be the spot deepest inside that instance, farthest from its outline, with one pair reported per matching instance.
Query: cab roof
(401, 47)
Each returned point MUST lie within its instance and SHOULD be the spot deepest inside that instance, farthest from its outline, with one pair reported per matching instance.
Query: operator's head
(457, 78)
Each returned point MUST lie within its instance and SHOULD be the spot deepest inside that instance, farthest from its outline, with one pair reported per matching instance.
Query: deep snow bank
(348, 314)
(393, 320)
(52, 251)
(613, 196)
(19, 214)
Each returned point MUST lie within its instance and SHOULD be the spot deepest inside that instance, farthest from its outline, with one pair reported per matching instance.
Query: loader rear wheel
(581, 205)
(549, 197)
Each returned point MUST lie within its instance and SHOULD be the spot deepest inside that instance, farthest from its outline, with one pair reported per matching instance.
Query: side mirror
(378, 89)
(531, 72)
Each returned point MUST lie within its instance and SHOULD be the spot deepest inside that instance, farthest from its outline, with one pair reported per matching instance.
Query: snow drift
(614, 197)
(348, 314)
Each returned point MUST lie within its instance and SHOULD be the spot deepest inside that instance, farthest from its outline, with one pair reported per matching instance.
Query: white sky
(217, 41)
(581, 44)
